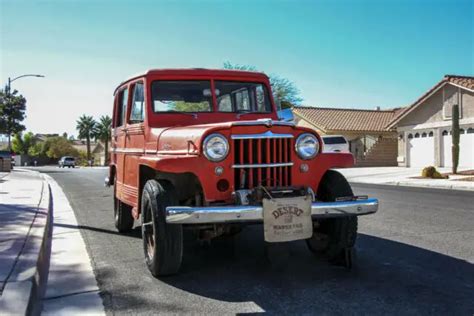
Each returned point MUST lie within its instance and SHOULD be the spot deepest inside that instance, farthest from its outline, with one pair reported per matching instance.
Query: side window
(137, 114)
(122, 107)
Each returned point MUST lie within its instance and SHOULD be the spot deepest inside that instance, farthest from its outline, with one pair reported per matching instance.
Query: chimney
(377, 108)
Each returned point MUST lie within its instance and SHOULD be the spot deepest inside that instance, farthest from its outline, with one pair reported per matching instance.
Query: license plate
(287, 219)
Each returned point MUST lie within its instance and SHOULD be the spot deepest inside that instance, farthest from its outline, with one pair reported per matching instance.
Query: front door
(135, 144)
(118, 141)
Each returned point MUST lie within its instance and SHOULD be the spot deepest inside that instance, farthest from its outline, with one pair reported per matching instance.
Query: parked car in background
(335, 144)
(67, 161)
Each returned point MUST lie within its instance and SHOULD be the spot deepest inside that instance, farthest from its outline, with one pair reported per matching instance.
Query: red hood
(188, 139)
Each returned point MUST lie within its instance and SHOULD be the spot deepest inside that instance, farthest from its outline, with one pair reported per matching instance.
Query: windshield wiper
(185, 113)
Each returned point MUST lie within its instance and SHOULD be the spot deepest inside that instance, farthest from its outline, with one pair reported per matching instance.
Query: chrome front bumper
(248, 213)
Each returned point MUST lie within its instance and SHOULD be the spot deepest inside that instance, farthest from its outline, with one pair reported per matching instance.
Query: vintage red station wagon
(205, 150)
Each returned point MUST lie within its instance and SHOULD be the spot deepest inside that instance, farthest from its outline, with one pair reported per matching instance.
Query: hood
(187, 140)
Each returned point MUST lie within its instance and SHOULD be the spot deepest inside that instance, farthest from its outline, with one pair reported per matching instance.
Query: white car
(335, 144)
(67, 161)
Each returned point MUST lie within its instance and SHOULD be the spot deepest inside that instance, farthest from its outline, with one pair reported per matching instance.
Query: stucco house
(370, 141)
(424, 128)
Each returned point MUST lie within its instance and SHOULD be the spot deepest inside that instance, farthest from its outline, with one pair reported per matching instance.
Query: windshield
(196, 96)
(181, 96)
(242, 97)
(334, 140)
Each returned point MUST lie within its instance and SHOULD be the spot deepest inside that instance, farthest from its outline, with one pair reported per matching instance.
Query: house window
(470, 130)
(417, 135)
(431, 134)
(410, 136)
(461, 131)
(424, 135)
(445, 133)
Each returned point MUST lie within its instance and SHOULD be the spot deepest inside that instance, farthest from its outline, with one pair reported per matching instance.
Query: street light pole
(7, 94)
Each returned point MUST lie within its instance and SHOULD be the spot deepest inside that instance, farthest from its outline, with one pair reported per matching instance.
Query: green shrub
(431, 172)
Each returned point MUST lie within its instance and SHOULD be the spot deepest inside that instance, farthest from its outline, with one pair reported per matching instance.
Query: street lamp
(9, 85)
(8, 89)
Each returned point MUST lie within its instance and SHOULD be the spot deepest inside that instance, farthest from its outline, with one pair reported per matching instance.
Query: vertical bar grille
(251, 153)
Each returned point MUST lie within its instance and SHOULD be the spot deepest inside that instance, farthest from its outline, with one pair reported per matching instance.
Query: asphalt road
(415, 256)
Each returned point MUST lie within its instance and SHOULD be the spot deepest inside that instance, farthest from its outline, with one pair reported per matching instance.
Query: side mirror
(286, 115)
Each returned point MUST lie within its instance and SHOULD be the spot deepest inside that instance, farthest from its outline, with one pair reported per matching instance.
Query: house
(371, 143)
(424, 128)
(97, 150)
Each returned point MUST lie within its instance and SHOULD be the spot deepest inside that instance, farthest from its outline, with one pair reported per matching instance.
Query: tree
(86, 126)
(104, 132)
(284, 91)
(455, 135)
(12, 113)
(58, 147)
(22, 144)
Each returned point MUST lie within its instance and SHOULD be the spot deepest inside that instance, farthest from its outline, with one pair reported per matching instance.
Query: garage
(424, 127)
(466, 148)
(421, 149)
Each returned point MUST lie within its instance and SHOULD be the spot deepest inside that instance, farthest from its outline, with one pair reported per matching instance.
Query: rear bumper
(248, 213)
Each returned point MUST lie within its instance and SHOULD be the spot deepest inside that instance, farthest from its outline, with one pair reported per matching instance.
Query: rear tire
(122, 214)
(332, 237)
(162, 242)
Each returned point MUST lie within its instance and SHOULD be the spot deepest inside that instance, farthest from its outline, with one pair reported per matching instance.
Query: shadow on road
(390, 277)
(135, 233)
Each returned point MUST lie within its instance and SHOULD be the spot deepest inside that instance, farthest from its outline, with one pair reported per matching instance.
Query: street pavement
(415, 256)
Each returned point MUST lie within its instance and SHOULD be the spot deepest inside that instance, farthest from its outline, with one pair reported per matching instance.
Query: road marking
(72, 288)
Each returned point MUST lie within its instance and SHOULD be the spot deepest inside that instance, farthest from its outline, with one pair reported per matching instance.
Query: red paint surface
(172, 142)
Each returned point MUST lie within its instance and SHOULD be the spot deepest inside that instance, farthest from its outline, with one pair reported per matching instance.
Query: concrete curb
(26, 286)
(416, 185)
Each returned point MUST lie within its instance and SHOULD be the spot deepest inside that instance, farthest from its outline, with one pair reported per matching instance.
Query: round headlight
(307, 146)
(215, 147)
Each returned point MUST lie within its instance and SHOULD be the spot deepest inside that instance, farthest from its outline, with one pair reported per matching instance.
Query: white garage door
(421, 150)
(466, 149)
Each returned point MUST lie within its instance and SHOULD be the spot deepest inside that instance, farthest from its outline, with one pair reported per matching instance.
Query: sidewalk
(25, 229)
(44, 265)
(404, 177)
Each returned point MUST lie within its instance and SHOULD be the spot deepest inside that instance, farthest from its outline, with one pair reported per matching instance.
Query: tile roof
(463, 81)
(466, 82)
(337, 119)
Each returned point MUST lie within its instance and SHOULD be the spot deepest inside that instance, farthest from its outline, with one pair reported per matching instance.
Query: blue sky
(347, 53)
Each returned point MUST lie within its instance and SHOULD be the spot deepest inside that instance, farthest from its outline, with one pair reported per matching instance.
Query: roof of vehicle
(197, 71)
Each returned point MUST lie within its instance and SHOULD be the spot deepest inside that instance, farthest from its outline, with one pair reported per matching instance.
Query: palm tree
(87, 128)
(104, 131)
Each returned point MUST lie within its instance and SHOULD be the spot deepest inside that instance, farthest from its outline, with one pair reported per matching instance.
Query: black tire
(332, 237)
(122, 214)
(162, 242)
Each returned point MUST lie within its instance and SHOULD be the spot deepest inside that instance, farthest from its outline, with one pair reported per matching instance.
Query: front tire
(162, 242)
(333, 237)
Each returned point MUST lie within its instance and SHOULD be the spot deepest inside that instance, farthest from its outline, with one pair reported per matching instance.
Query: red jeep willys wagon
(204, 150)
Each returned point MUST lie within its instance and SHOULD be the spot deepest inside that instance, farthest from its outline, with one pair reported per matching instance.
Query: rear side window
(334, 140)
(122, 107)
(137, 114)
